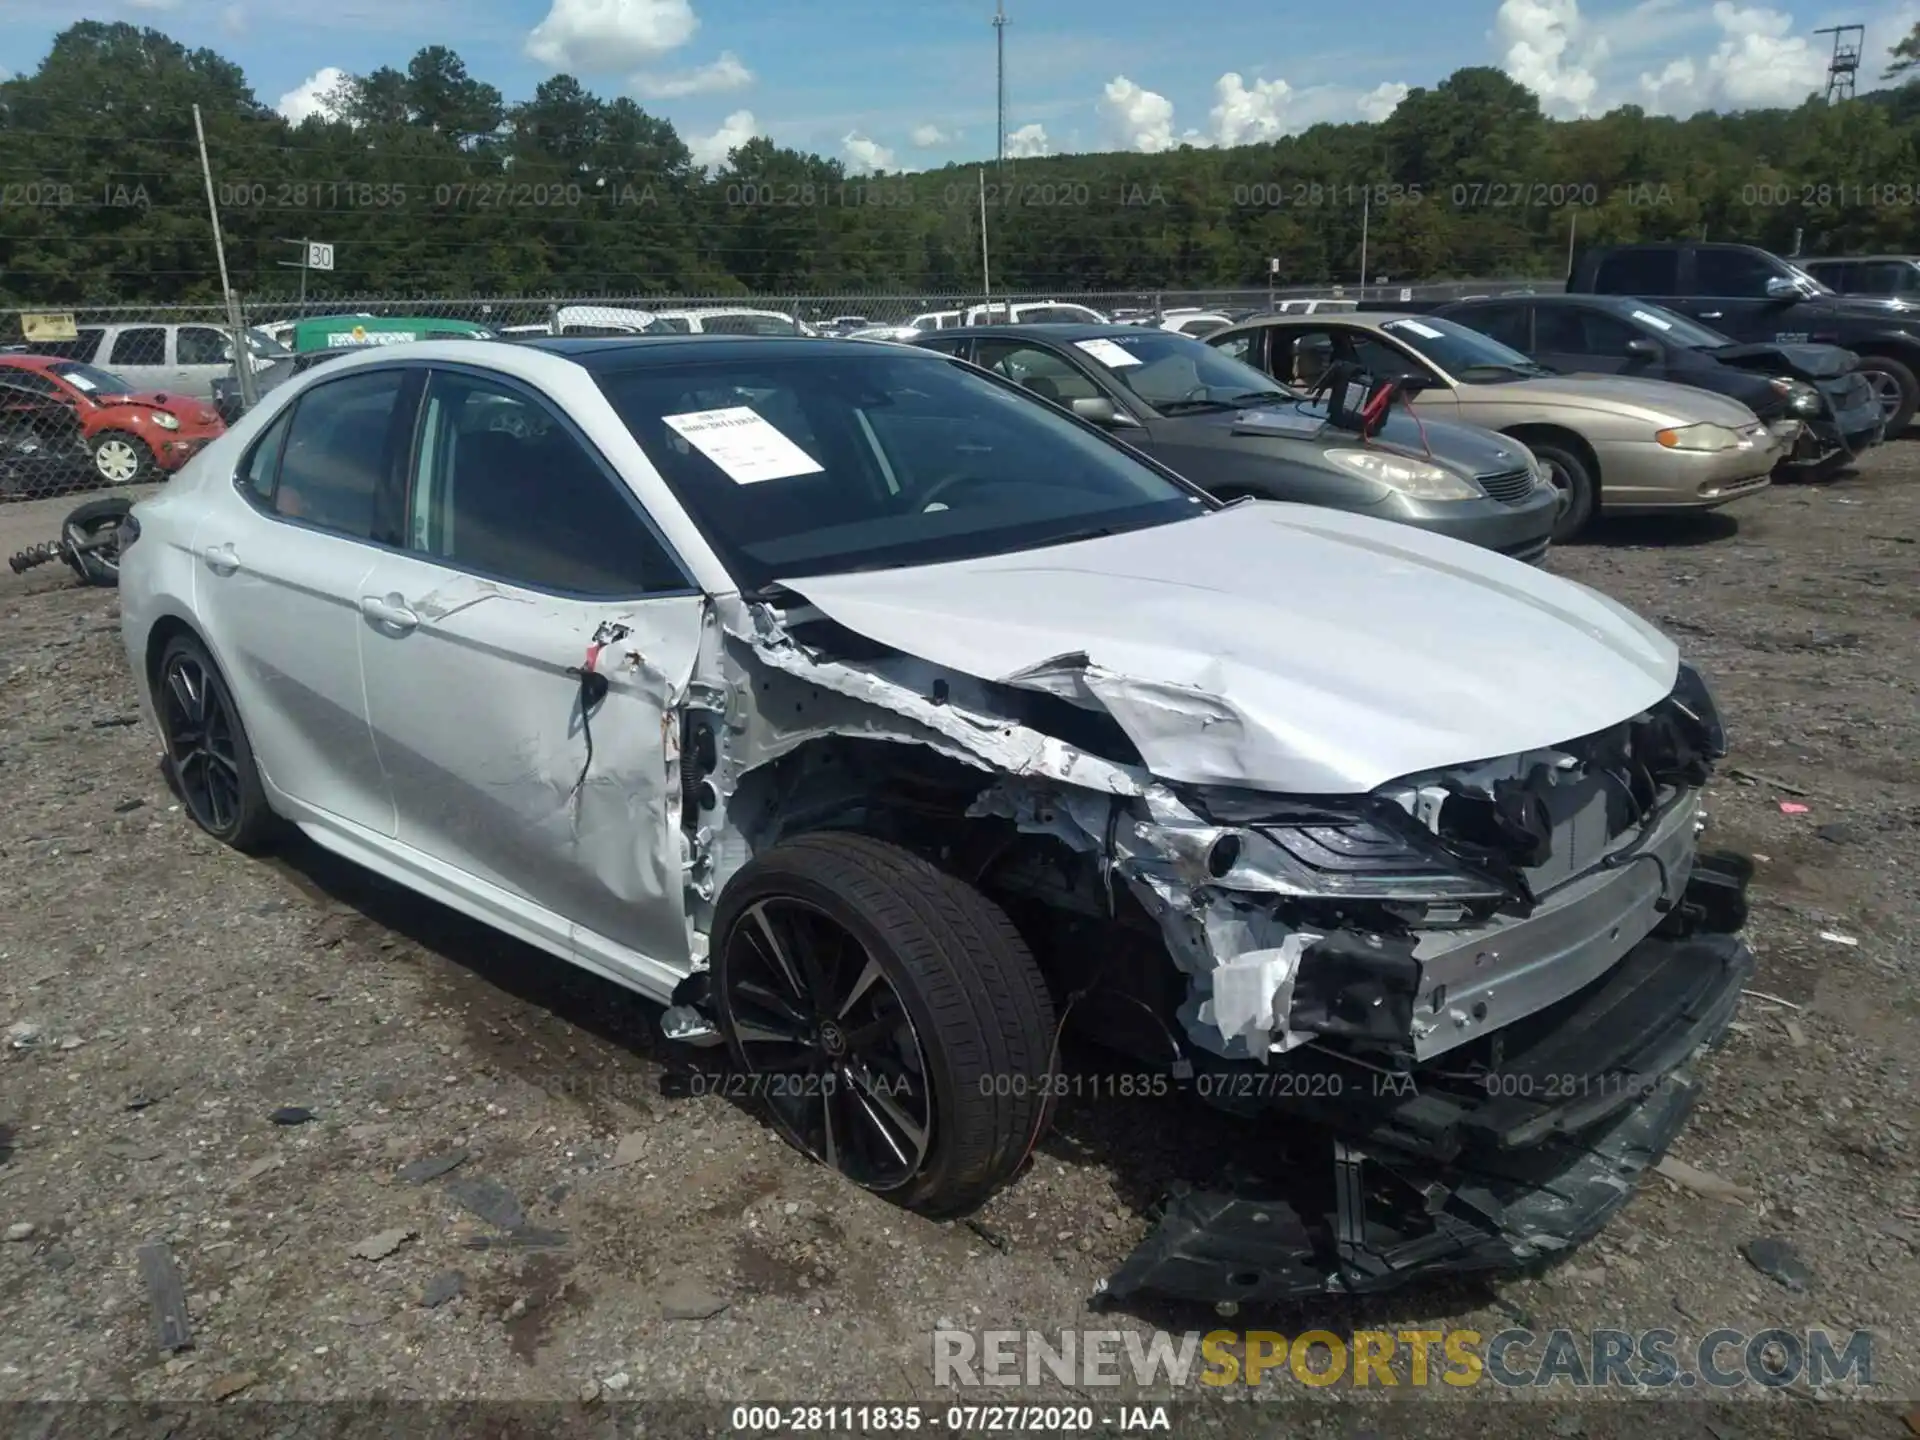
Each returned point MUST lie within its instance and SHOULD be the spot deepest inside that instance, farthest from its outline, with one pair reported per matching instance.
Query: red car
(133, 436)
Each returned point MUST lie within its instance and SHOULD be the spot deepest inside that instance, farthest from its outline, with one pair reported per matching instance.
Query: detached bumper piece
(1435, 1177)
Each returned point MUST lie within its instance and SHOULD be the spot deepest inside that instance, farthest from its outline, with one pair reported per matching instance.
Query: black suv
(1753, 295)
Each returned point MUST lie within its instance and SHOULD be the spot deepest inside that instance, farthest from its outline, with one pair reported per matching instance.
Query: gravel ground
(166, 997)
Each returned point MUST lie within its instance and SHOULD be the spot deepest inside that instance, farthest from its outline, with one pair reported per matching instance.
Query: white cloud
(313, 96)
(1758, 63)
(722, 76)
(602, 37)
(736, 130)
(1139, 119)
(1029, 142)
(925, 137)
(1381, 101)
(1550, 49)
(1246, 116)
(866, 154)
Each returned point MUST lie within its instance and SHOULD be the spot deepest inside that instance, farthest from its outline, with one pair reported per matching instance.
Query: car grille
(1509, 487)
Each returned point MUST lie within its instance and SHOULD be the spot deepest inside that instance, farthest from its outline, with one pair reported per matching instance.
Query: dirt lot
(167, 996)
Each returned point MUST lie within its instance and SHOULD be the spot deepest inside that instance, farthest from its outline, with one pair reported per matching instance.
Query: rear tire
(1574, 485)
(209, 760)
(1890, 378)
(948, 1009)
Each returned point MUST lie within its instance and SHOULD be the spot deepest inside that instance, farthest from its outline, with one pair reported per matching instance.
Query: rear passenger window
(1639, 272)
(257, 475)
(341, 437)
(146, 345)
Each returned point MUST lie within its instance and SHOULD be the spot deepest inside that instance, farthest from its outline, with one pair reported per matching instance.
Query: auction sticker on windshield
(741, 442)
(1653, 320)
(1425, 332)
(80, 383)
(1107, 353)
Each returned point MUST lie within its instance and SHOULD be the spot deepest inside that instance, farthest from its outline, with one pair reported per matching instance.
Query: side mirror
(1643, 349)
(1781, 287)
(1101, 411)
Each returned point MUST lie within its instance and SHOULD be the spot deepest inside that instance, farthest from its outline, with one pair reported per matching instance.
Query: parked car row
(63, 422)
(925, 712)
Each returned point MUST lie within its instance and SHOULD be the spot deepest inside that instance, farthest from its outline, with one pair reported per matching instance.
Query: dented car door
(523, 660)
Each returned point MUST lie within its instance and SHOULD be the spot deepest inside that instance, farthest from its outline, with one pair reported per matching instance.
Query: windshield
(90, 381)
(1674, 326)
(265, 346)
(811, 465)
(1176, 373)
(1454, 348)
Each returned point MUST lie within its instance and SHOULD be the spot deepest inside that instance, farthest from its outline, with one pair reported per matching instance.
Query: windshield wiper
(1500, 367)
(1258, 397)
(1193, 407)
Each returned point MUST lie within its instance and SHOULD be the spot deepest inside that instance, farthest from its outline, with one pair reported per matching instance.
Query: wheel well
(163, 631)
(1907, 355)
(1530, 435)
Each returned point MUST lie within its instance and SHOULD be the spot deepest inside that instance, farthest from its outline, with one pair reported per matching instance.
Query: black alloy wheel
(209, 759)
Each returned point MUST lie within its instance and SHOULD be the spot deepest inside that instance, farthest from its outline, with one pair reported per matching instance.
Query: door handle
(390, 611)
(1712, 314)
(221, 559)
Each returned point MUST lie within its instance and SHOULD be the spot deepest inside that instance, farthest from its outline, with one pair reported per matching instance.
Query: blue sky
(903, 84)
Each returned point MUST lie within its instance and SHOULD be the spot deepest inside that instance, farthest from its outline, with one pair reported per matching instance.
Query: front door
(201, 355)
(524, 552)
(138, 355)
(1729, 294)
(1580, 341)
(278, 583)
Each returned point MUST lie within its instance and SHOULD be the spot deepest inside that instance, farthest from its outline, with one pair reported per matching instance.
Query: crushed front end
(1484, 985)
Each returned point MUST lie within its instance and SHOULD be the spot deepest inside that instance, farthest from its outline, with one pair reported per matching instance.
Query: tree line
(427, 182)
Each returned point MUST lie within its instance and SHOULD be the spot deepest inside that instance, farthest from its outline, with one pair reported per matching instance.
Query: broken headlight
(1341, 856)
(1693, 697)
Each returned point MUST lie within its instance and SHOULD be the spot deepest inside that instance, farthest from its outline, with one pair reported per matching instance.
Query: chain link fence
(133, 391)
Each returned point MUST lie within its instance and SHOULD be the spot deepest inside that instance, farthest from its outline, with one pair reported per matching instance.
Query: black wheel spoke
(802, 996)
(201, 743)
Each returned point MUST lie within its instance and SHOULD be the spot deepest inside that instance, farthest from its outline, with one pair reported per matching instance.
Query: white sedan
(875, 718)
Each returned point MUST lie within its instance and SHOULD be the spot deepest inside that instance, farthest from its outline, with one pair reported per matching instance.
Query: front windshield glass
(90, 381)
(1454, 348)
(811, 465)
(1176, 373)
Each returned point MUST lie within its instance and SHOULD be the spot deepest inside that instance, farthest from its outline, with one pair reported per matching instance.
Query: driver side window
(1040, 372)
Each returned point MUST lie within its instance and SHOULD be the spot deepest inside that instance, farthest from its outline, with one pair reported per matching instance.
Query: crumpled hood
(1280, 647)
(1803, 362)
(187, 411)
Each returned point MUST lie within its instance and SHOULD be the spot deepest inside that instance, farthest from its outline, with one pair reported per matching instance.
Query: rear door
(555, 810)
(1578, 340)
(279, 585)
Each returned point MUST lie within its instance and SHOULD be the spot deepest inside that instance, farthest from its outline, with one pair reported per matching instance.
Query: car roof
(1063, 331)
(620, 352)
(1848, 259)
(34, 362)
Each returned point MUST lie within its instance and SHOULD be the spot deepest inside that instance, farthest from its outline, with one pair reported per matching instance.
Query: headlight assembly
(1707, 438)
(166, 421)
(1343, 857)
(1415, 479)
(1692, 694)
(1802, 398)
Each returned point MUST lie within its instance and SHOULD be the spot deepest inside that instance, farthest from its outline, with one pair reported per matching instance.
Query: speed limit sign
(319, 256)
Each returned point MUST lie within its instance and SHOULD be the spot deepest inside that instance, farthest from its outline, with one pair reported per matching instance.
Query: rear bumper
(1442, 1175)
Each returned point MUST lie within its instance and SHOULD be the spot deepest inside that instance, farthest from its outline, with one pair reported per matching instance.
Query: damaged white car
(881, 720)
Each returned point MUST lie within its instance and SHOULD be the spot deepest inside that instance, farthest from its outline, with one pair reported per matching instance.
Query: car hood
(1803, 362)
(1285, 648)
(187, 412)
(1660, 401)
(1468, 449)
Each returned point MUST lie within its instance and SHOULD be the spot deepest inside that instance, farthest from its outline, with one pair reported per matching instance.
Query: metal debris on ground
(1775, 1258)
(291, 1115)
(991, 1236)
(168, 1294)
(1834, 937)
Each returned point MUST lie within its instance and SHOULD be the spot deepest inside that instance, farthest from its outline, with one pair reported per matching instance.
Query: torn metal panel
(1232, 651)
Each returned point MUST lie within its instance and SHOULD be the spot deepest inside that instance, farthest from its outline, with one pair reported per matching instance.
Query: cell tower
(1000, 71)
(1848, 42)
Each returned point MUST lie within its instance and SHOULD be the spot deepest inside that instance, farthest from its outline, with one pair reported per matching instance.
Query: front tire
(122, 459)
(1573, 487)
(890, 1016)
(209, 760)
(1894, 387)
